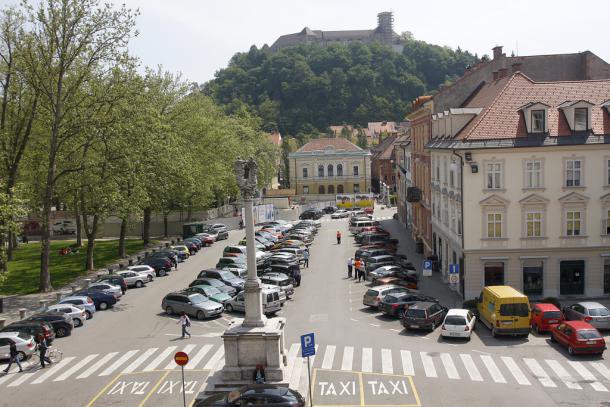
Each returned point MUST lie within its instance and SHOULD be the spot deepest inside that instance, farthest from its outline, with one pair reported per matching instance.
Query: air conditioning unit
(474, 168)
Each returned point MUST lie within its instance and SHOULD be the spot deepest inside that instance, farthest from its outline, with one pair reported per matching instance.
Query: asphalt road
(123, 357)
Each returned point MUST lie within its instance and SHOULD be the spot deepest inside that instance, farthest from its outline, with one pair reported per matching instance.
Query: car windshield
(210, 290)
(214, 283)
(416, 313)
(390, 299)
(227, 275)
(455, 320)
(588, 334)
(552, 315)
(24, 335)
(197, 298)
(599, 312)
(514, 310)
(372, 293)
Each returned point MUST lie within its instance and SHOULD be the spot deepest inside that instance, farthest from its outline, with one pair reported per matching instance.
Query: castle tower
(385, 26)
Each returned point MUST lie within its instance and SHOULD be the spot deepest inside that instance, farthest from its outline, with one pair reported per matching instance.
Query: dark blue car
(101, 300)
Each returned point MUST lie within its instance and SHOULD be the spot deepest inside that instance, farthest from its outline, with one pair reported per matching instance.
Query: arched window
(339, 170)
(320, 171)
(331, 189)
(321, 190)
(339, 187)
(329, 170)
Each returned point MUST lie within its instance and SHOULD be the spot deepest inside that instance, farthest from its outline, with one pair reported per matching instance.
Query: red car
(544, 317)
(578, 337)
(375, 229)
(369, 210)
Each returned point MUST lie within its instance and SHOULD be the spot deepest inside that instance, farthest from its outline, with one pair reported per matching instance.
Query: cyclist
(42, 348)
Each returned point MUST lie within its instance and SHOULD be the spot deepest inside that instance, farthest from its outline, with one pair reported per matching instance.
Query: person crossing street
(338, 237)
(185, 322)
(14, 357)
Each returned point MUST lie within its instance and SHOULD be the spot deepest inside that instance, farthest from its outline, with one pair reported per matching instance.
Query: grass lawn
(24, 271)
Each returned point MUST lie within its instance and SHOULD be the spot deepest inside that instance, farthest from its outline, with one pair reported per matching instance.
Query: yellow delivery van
(504, 310)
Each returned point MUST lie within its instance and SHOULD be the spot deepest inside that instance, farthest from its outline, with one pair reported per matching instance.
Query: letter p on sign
(308, 345)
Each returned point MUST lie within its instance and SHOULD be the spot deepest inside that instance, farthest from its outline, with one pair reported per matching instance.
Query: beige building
(329, 166)
(521, 187)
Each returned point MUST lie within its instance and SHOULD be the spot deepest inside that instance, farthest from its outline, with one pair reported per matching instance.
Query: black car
(256, 394)
(311, 214)
(114, 280)
(62, 323)
(364, 254)
(424, 315)
(212, 282)
(289, 270)
(330, 209)
(33, 328)
(198, 242)
(172, 255)
(395, 304)
(225, 276)
(101, 300)
(162, 265)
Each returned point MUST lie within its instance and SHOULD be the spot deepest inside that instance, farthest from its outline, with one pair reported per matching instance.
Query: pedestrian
(306, 258)
(359, 274)
(42, 348)
(14, 356)
(259, 374)
(185, 322)
(297, 276)
(356, 268)
(338, 237)
(350, 265)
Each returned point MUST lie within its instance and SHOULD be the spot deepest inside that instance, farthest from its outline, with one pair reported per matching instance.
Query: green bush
(470, 304)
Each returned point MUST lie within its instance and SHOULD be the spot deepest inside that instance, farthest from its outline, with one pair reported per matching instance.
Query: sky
(198, 37)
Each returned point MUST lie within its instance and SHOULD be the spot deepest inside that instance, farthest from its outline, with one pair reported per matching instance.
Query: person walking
(297, 276)
(306, 258)
(356, 268)
(360, 273)
(350, 265)
(14, 357)
(338, 237)
(185, 322)
(42, 348)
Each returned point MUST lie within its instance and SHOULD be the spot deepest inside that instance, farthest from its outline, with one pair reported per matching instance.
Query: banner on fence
(347, 201)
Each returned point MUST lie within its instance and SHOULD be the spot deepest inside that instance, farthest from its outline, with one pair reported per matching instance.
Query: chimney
(502, 73)
(495, 75)
(517, 66)
(497, 51)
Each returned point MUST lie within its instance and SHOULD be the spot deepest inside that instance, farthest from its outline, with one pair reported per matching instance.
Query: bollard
(58, 296)
(73, 287)
(2, 322)
(22, 313)
(130, 262)
(43, 304)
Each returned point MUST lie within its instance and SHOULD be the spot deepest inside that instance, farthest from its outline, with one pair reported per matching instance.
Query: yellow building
(329, 166)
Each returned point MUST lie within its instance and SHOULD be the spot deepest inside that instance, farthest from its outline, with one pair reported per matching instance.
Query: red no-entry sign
(181, 358)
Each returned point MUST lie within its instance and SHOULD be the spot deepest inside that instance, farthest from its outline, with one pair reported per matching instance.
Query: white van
(270, 297)
(357, 226)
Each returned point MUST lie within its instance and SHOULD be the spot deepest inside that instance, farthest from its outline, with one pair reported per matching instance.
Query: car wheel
(229, 307)
(103, 305)
(553, 338)
(139, 284)
(162, 273)
(77, 322)
(536, 329)
(571, 350)
(150, 278)
(88, 314)
(493, 332)
(60, 332)
(200, 315)
(169, 310)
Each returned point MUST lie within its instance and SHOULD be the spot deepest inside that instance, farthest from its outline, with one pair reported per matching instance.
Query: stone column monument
(257, 339)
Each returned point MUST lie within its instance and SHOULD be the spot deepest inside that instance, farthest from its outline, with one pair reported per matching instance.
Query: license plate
(591, 342)
(507, 322)
(553, 321)
(453, 334)
(414, 326)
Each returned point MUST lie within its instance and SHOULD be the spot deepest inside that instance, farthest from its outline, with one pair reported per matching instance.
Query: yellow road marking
(361, 385)
(155, 387)
(414, 391)
(98, 395)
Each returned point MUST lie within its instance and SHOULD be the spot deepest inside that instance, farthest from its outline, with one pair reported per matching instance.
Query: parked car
(238, 261)
(24, 342)
(389, 245)
(579, 337)
(424, 315)
(458, 323)
(340, 214)
(192, 246)
(330, 209)
(310, 222)
(207, 238)
(266, 235)
(544, 317)
(383, 271)
(219, 227)
(183, 252)
(591, 312)
(81, 301)
(270, 297)
(106, 288)
(256, 394)
(395, 304)
(374, 296)
(311, 214)
(504, 310)
(64, 227)
(225, 276)
(33, 328)
(193, 304)
(78, 315)
(142, 268)
(365, 252)
(212, 282)
(62, 323)
(402, 277)
(133, 278)
(114, 279)
(161, 265)
(239, 271)
(102, 300)
(219, 233)
(369, 210)
(168, 254)
(374, 262)
(281, 280)
(212, 293)
(194, 239)
(292, 250)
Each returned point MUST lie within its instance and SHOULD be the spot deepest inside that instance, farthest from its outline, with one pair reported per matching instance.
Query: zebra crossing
(548, 373)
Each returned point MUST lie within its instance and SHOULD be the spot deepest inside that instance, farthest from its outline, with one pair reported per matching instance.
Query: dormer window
(581, 119)
(538, 121)
(577, 114)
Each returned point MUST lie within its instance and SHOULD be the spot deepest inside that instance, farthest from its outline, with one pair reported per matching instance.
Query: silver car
(592, 312)
(24, 342)
(143, 268)
(374, 296)
(133, 278)
(193, 304)
(280, 280)
(270, 297)
(114, 290)
(78, 315)
(81, 301)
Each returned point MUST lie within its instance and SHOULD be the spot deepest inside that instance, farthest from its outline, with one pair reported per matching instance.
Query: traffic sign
(454, 278)
(427, 268)
(181, 358)
(308, 345)
(454, 269)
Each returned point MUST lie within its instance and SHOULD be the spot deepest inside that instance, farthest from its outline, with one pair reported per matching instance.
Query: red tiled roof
(501, 100)
(338, 144)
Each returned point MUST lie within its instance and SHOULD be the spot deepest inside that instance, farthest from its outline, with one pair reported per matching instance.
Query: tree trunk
(146, 226)
(79, 230)
(165, 225)
(91, 234)
(44, 284)
(122, 251)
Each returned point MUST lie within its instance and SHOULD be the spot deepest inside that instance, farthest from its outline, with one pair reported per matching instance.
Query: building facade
(329, 166)
(521, 187)
(402, 157)
(382, 165)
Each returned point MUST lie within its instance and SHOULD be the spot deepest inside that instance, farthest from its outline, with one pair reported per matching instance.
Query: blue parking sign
(308, 345)
(427, 264)
(454, 269)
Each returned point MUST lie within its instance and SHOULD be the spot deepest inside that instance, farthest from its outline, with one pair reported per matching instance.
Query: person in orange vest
(338, 237)
(357, 265)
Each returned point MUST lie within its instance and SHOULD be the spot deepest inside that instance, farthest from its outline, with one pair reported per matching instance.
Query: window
(321, 190)
(329, 170)
(533, 277)
(573, 223)
(608, 171)
(331, 189)
(606, 223)
(451, 178)
(581, 119)
(340, 186)
(517, 309)
(494, 275)
(305, 189)
(538, 119)
(533, 174)
(494, 175)
(304, 172)
(533, 224)
(356, 170)
(320, 171)
(494, 225)
(339, 170)
(573, 173)
(356, 188)
(607, 276)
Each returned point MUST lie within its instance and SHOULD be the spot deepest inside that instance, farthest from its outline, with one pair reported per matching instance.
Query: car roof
(504, 291)
(269, 389)
(579, 325)
(9, 334)
(458, 311)
(422, 305)
(74, 297)
(591, 304)
(543, 306)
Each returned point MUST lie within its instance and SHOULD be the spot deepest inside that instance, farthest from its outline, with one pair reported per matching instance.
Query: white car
(78, 315)
(64, 227)
(133, 278)
(143, 268)
(24, 342)
(81, 301)
(339, 214)
(458, 323)
(107, 288)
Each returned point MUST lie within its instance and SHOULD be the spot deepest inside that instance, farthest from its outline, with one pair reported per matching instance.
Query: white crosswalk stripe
(471, 368)
(588, 376)
(159, 359)
(516, 372)
(539, 372)
(23, 378)
(452, 372)
(367, 359)
(492, 368)
(386, 361)
(603, 370)
(198, 356)
(52, 370)
(407, 363)
(348, 358)
(563, 374)
(75, 368)
(329, 355)
(292, 356)
(117, 363)
(97, 365)
(428, 364)
(215, 361)
(141, 359)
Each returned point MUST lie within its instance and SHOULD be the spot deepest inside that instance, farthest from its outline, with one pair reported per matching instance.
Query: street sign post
(181, 359)
(454, 273)
(427, 268)
(308, 348)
